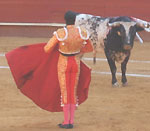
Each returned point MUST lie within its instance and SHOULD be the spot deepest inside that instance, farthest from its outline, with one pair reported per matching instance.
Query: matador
(52, 74)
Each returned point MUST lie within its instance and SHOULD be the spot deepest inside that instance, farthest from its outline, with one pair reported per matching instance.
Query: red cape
(35, 74)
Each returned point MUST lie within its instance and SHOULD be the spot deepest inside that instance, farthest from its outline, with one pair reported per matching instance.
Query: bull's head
(127, 31)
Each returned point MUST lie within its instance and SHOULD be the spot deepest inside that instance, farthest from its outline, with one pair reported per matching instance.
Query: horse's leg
(123, 69)
(113, 68)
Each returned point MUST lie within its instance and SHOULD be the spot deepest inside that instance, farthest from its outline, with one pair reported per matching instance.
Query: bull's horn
(147, 29)
(114, 24)
(143, 24)
(148, 25)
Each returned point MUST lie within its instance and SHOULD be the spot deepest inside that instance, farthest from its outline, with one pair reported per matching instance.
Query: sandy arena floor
(107, 108)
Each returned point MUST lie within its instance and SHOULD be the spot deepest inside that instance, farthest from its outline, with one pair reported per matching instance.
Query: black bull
(114, 34)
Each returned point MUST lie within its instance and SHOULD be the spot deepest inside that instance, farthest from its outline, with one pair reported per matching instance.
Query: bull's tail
(70, 17)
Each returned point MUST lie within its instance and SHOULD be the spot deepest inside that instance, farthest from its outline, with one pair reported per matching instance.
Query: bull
(119, 42)
(114, 34)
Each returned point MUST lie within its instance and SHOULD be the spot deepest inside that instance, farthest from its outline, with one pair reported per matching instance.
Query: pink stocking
(72, 112)
(66, 113)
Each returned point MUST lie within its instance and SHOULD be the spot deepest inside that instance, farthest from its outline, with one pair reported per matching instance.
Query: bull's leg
(94, 56)
(113, 68)
(113, 72)
(94, 53)
(123, 69)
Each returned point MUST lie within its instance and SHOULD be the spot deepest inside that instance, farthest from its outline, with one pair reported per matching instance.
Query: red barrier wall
(53, 10)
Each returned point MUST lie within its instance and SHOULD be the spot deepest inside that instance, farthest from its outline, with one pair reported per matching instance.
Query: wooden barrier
(52, 11)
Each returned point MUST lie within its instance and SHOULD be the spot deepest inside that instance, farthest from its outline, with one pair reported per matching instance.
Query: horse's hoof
(115, 84)
(125, 84)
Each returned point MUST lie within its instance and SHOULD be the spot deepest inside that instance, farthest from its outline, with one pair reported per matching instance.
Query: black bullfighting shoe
(66, 126)
(70, 126)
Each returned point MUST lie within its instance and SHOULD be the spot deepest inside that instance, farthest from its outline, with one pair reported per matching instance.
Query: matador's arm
(51, 44)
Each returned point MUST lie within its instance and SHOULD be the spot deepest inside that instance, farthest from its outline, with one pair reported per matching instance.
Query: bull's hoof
(125, 84)
(115, 84)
